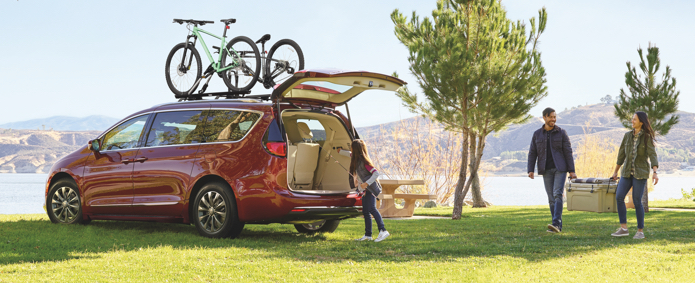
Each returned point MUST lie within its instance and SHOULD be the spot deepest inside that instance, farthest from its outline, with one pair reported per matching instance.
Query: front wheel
(216, 213)
(323, 226)
(284, 59)
(183, 69)
(244, 59)
(63, 203)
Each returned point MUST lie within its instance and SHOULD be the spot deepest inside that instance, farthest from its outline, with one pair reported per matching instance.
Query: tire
(244, 76)
(323, 226)
(215, 213)
(284, 59)
(64, 204)
(181, 81)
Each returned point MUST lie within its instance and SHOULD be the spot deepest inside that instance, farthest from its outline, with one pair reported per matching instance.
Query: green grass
(673, 203)
(497, 244)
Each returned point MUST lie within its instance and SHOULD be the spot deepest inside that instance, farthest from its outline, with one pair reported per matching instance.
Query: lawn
(497, 244)
(673, 203)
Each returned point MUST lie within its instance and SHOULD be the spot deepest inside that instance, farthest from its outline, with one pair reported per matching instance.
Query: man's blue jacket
(560, 148)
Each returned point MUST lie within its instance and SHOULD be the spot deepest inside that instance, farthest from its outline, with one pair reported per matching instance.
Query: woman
(636, 147)
(365, 175)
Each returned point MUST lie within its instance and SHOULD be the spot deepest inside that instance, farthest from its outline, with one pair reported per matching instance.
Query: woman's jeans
(555, 186)
(637, 186)
(369, 207)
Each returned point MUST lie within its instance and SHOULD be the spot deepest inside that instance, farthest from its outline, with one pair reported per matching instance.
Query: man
(551, 146)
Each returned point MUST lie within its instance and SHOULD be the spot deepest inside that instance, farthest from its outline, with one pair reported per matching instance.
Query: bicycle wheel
(284, 59)
(182, 73)
(245, 55)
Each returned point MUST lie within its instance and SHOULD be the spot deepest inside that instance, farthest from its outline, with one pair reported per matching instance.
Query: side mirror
(94, 145)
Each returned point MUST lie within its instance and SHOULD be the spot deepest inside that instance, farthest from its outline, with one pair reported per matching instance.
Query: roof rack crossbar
(225, 94)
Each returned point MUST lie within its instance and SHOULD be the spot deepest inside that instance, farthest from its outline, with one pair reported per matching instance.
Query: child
(365, 175)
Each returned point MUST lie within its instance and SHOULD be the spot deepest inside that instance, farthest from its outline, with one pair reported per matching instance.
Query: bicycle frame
(223, 46)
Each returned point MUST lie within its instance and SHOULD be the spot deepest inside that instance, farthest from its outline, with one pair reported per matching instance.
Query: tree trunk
(458, 193)
(477, 195)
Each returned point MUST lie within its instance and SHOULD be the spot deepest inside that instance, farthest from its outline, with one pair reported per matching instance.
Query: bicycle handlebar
(195, 22)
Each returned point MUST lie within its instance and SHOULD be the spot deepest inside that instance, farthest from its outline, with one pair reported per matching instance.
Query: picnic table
(388, 195)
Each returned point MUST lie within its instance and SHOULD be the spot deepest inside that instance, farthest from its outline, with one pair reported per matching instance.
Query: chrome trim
(155, 203)
(99, 205)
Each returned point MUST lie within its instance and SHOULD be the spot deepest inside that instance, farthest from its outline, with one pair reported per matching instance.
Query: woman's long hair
(359, 152)
(646, 127)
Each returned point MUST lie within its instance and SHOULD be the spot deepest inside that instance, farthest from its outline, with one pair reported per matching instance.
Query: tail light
(277, 148)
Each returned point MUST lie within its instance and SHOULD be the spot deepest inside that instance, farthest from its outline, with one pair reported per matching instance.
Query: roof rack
(224, 94)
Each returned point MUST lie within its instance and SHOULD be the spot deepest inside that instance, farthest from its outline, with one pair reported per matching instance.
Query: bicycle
(284, 67)
(230, 65)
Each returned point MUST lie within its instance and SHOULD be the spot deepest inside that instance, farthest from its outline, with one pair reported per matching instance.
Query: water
(24, 193)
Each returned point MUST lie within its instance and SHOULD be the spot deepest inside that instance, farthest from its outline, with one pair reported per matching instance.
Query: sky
(81, 58)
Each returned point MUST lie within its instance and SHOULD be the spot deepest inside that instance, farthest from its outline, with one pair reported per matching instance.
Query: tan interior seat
(306, 159)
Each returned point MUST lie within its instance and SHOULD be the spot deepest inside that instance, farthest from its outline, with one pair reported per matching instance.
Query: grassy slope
(494, 244)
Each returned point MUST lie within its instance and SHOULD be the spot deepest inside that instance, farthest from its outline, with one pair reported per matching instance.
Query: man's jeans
(637, 186)
(369, 207)
(554, 186)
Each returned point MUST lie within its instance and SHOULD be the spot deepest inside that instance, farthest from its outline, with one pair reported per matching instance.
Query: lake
(24, 193)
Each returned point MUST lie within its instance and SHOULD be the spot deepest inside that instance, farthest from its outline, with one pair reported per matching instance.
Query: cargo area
(313, 140)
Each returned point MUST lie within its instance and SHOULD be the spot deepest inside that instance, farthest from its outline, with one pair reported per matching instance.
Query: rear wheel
(323, 226)
(63, 203)
(216, 213)
(284, 59)
(247, 61)
(182, 73)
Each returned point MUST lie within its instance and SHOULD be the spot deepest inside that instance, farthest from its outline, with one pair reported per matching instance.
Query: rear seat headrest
(304, 131)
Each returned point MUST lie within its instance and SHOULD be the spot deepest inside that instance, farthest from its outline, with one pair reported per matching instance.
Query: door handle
(141, 159)
(126, 161)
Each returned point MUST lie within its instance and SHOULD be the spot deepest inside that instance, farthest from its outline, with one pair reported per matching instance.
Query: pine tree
(658, 100)
(479, 72)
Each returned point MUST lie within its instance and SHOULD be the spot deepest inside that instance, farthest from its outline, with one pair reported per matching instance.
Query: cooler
(591, 196)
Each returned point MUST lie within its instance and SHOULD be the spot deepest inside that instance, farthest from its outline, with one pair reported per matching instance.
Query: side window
(181, 127)
(228, 125)
(125, 135)
(317, 129)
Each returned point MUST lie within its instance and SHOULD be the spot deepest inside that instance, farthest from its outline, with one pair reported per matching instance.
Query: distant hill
(597, 119)
(35, 151)
(64, 123)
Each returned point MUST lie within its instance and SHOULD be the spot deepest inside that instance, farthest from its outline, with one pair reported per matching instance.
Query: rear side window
(228, 125)
(181, 127)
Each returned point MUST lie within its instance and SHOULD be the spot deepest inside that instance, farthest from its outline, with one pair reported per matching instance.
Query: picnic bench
(388, 195)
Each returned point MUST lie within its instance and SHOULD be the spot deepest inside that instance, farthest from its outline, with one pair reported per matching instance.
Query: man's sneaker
(382, 235)
(638, 235)
(551, 231)
(621, 233)
(554, 228)
(364, 238)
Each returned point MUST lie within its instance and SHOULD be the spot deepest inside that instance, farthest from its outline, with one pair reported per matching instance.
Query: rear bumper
(311, 214)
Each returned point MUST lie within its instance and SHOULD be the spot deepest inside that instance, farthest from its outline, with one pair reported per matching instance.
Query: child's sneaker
(638, 235)
(364, 238)
(382, 235)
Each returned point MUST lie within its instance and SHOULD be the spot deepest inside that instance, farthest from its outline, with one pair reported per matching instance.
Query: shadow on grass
(512, 232)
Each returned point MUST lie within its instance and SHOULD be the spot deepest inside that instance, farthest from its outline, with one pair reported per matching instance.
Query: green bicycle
(184, 69)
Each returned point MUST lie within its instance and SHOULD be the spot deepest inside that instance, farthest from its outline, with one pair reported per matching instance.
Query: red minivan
(223, 163)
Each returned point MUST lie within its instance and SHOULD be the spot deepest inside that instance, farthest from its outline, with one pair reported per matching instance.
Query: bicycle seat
(195, 22)
(263, 39)
(228, 21)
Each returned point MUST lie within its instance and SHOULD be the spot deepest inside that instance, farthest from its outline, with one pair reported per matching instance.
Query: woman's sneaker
(382, 235)
(638, 235)
(364, 238)
(621, 233)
